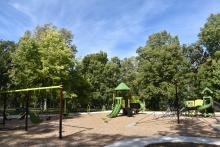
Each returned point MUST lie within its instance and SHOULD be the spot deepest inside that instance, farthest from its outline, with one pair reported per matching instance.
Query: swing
(34, 116)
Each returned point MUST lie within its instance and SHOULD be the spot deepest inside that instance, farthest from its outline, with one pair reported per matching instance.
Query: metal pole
(61, 113)
(4, 109)
(177, 104)
(26, 111)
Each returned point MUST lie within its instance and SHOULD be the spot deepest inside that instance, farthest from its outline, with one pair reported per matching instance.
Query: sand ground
(98, 130)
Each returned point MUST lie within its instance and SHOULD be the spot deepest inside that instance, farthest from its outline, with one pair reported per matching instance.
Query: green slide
(207, 107)
(204, 107)
(117, 107)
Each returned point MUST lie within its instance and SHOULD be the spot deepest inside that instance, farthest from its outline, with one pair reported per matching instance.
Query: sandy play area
(95, 129)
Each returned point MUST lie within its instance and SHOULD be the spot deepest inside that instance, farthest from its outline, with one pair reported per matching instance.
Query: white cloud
(117, 27)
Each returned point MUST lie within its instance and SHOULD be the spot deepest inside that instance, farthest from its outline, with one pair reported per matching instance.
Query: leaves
(210, 34)
(42, 58)
(161, 64)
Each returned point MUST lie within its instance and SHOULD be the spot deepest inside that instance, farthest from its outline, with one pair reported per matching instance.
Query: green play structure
(123, 100)
(204, 106)
(116, 108)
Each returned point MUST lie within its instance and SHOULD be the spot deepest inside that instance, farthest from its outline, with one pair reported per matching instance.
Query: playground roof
(207, 89)
(122, 86)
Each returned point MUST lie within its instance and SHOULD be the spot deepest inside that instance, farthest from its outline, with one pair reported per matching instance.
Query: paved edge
(142, 142)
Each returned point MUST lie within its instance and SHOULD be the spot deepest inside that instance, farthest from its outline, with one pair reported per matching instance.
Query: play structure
(205, 106)
(27, 113)
(123, 100)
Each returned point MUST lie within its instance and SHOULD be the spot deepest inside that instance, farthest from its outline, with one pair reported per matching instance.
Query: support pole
(177, 103)
(61, 113)
(26, 111)
(4, 110)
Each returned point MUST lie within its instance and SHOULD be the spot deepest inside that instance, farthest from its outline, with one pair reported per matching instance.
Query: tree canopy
(47, 56)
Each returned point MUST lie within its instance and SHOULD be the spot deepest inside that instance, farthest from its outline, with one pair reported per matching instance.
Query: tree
(129, 73)
(160, 65)
(42, 58)
(26, 62)
(209, 36)
(80, 86)
(112, 78)
(209, 75)
(195, 55)
(93, 66)
(208, 72)
(6, 47)
(56, 56)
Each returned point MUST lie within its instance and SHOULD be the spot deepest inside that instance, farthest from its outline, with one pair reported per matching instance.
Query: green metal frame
(32, 89)
(27, 105)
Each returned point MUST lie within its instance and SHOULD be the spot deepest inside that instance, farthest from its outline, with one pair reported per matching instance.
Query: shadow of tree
(17, 124)
(46, 134)
(76, 139)
(190, 127)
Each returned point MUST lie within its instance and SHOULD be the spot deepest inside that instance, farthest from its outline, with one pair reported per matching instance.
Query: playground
(126, 121)
(95, 129)
(110, 73)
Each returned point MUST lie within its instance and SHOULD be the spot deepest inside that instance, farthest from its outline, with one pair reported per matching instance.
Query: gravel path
(96, 129)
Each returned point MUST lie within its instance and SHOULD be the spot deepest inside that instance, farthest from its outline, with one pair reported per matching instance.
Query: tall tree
(129, 73)
(210, 34)
(42, 58)
(160, 65)
(93, 66)
(195, 55)
(6, 48)
(26, 62)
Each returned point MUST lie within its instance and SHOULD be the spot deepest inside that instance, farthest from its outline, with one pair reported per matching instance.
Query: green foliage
(210, 34)
(128, 74)
(46, 56)
(6, 47)
(99, 73)
(209, 75)
(26, 63)
(161, 65)
(135, 99)
(42, 58)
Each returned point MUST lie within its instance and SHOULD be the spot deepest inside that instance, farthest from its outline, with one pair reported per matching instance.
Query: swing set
(27, 100)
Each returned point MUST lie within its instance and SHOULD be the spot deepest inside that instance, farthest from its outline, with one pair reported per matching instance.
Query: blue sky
(117, 27)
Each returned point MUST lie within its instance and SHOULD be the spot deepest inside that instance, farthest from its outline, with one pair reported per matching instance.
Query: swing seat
(22, 115)
(35, 118)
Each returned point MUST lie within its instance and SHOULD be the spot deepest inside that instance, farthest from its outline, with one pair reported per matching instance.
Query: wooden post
(177, 103)
(4, 109)
(26, 111)
(61, 113)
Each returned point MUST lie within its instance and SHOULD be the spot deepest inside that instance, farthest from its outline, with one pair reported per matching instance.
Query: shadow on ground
(190, 127)
(39, 137)
(77, 139)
